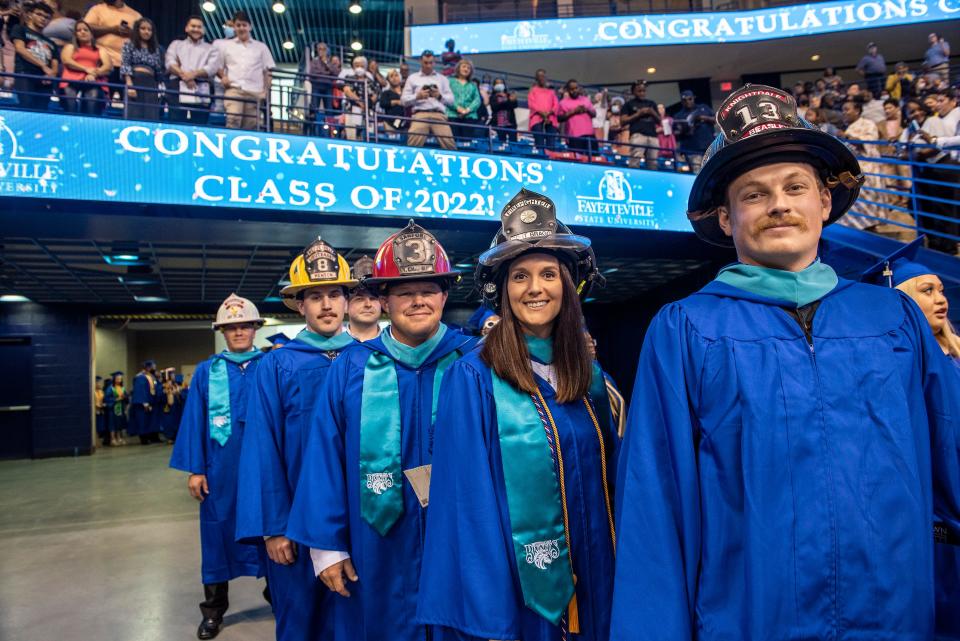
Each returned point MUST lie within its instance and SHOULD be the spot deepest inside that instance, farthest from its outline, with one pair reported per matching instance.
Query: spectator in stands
(935, 189)
(937, 57)
(873, 68)
(111, 21)
(872, 106)
(85, 69)
(359, 94)
(666, 139)
(853, 90)
(321, 72)
(694, 129)
(191, 63)
(641, 116)
(834, 81)
(374, 68)
(600, 123)
(229, 33)
(900, 82)
(142, 67)
(37, 55)
(450, 57)
(9, 18)
(404, 72)
(466, 101)
(817, 116)
(60, 28)
(892, 126)
(427, 93)
(543, 103)
(502, 106)
(870, 204)
(246, 75)
(576, 112)
(618, 133)
(948, 112)
(391, 105)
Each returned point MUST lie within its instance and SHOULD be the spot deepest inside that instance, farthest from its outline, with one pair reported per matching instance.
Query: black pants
(216, 601)
(33, 94)
(544, 134)
(582, 144)
(467, 129)
(84, 98)
(146, 104)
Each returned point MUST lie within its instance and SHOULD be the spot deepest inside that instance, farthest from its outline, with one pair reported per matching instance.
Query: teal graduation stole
(325, 343)
(795, 289)
(218, 393)
(381, 474)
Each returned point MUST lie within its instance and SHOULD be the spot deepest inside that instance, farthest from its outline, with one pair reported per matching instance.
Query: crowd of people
(151, 411)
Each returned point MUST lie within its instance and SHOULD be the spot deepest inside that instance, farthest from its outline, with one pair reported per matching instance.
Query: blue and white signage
(97, 159)
(681, 28)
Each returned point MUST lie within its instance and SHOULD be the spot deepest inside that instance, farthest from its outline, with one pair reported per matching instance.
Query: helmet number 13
(768, 111)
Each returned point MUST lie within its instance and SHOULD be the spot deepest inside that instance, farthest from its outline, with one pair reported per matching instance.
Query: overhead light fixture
(464, 265)
(355, 7)
(356, 45)
(13, 298)
(151, 299)
(651, 70)
(208, 6)
(272, 299)
(612, 270)
(138, 280)
(279, 6)
(815, 57)
(288, 44)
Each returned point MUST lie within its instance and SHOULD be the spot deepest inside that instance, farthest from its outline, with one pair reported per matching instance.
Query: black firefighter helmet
(529, 224)
(760, 127)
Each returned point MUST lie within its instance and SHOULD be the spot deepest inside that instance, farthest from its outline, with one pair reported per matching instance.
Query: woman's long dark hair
(505, 350)
(151, 44)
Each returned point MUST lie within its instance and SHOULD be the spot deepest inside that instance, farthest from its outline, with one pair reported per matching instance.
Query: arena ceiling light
(356, 45)
(815, 57)
(651, 70)
(279, 6)
(355, 7)
(288, 44)
(208, 6)
(13, 298)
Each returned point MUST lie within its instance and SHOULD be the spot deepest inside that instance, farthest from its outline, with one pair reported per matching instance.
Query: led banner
(681, 28)
(98, 159)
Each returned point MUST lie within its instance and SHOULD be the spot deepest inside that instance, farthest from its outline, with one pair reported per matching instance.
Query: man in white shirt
(191, 63)
(427, 93)
(245, 75)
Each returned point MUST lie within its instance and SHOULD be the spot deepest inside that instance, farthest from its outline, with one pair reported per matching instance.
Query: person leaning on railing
(391, 104)
(85, 70)
(37, 55)
(466, 101)
(246, 75)
(191, 63)
(360, 90)
(142, 66)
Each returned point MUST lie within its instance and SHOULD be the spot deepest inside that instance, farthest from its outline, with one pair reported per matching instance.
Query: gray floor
(105, 548)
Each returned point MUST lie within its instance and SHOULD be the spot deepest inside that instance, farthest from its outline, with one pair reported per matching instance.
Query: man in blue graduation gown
(790, 433)
(364, 309)
(357, 504)
(208, 447)
(144, 418)
(288, 383)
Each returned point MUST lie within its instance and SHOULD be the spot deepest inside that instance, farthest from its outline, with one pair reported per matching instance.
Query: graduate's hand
(332, 577)
(197, 484)
(281, 550)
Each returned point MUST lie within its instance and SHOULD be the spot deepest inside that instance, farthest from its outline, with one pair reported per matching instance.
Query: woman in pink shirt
(543, 104)
(577, 112)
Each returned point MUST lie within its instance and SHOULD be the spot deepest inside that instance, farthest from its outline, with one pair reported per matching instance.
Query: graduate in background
(288, 384)
(115, 404)
(358, 503)
(902, 270)
(100, 416)
(208, 447)
(172, 405)
(790, 432)
(144, 419)
(364, 310)
(520, 538)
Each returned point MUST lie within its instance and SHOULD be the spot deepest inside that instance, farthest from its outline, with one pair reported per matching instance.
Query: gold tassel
(573, 614)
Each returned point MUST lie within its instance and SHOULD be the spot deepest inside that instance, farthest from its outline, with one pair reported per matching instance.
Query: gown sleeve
(658, 494)
(189, 451)
(319, 515)
(263, 490)
(467, 578)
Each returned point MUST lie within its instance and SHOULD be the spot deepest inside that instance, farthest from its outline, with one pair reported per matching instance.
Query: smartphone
(124, 23)
(914, 126)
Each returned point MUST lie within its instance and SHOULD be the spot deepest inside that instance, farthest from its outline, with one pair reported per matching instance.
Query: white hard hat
(237, 309)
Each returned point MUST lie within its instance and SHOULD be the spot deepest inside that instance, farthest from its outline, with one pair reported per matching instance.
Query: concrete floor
(107, 548)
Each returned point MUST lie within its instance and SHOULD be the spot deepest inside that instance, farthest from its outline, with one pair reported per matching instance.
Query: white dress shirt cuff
(322, 559)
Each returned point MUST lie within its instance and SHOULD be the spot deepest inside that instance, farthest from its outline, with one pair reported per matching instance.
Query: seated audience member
(142, 67)
(503, 105)
(191, 64)
(85, 70)
(576, 112)
(37, 55)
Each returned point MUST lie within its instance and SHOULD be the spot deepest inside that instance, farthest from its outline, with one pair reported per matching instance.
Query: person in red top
(543, 104)
(85, 69)
(577, 111)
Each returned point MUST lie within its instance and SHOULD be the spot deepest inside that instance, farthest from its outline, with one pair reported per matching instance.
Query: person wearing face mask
(503, 105)
(524, 452)
(576, 111)
(363, 488)
(288, 383)
(208, 448)
(360, 91)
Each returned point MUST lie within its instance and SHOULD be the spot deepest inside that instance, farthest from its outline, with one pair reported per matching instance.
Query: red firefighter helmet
(411, 254)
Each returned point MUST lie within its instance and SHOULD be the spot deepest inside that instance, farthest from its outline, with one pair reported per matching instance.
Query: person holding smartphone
(111, 22)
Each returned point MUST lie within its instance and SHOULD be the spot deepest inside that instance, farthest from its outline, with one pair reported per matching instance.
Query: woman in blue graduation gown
(115, 403)
(520, 538)
(208, 447)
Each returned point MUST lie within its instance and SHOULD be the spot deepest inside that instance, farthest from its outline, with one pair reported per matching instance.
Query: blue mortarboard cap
(99, 378)
(178, 378)
(115, 374)
(278, 339)
(898, 267)
(479, 317)
(149, 363)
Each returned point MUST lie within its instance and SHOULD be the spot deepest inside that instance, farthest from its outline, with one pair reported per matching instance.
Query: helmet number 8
(323, 265)
(417, 250)
(768, 111)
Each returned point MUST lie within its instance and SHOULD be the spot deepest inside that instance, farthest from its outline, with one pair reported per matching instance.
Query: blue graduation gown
(288, 385)
(142, 422)
(772, 490)
(195, 452)
(469, 584)
(114, 422)
(946, 558)
(326, 508)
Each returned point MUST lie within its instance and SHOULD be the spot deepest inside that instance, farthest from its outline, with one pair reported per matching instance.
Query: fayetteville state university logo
(615, 204)
(22, 173)
(540, 554)
(379, 482)
(524, 36)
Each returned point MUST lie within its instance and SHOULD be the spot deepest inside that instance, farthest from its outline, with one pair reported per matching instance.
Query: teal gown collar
(412, 357)
(795, 289)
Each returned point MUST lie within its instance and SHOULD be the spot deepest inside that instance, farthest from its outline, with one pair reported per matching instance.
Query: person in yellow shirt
(898, 83)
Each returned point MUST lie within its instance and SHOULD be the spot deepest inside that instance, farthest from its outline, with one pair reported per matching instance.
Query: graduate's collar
(541, 349)
(324, 343)
(412, 357)
(792, 289)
